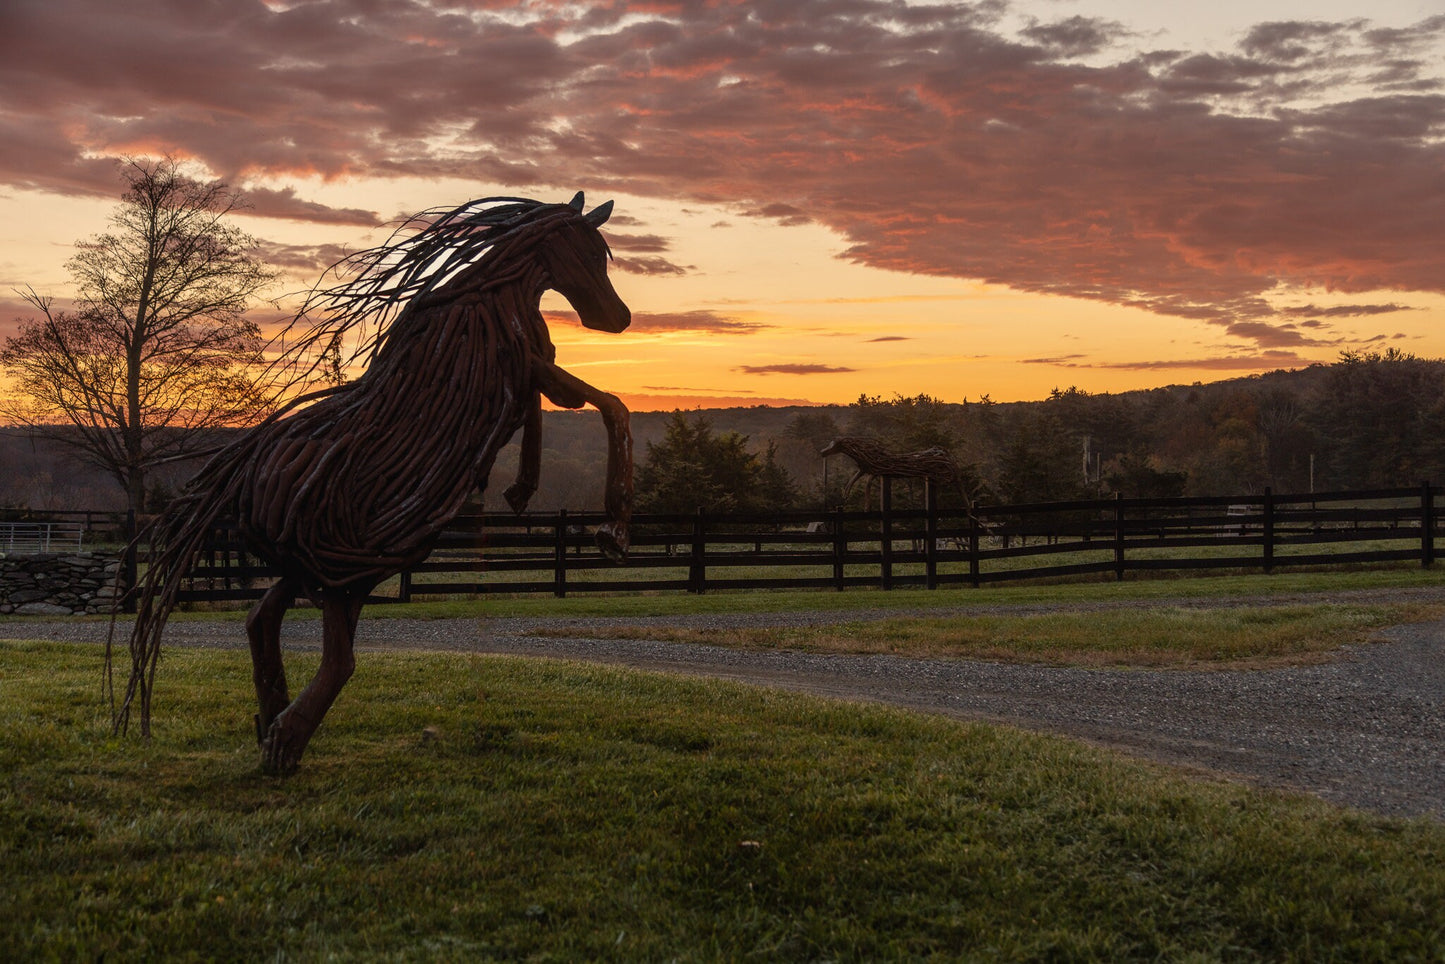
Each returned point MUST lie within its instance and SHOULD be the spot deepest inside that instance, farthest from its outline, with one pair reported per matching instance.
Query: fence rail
(61, 530)
(38, 538)
(926, 547)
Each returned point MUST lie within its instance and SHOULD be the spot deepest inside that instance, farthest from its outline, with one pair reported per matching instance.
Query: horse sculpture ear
(598, 216)
(576, 202)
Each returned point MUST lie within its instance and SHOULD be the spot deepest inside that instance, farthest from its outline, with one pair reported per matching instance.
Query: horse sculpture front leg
(567, 390)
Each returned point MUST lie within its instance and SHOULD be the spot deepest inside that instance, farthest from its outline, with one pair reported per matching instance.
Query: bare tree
(158, 347)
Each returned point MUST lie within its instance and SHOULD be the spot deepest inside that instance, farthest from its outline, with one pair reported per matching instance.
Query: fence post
(559, 557)
(697, 571)
(1268, 529)
(128, 565)
(886, 533)
(930, 532)
(1119, 536)
(403, 589)
(1427, 525)
(840, 548)
(973, 549)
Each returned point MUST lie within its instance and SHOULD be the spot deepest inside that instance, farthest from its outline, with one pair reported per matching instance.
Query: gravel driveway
(1366, 730)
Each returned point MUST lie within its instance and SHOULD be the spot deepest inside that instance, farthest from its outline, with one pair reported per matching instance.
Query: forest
(1370, 419)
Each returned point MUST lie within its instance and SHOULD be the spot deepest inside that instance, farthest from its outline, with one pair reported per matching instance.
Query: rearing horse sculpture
(356, 486)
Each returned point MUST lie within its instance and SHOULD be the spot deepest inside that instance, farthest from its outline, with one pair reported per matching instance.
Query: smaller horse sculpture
(351, 485)
(875, 461)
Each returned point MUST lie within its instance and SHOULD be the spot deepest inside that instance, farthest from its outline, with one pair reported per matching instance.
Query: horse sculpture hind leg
(263, 630)
(289, 732)
(529, 465)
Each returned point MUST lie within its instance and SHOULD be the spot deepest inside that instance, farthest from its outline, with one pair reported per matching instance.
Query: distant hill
(1369, 420)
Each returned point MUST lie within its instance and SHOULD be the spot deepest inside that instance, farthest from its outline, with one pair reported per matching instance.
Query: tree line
(1368, 420)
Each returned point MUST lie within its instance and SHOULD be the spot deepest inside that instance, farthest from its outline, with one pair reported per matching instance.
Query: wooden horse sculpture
(875, 461)
(356, 486)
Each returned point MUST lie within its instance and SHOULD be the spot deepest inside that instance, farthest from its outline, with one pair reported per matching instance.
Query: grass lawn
(458, 807)
(1158, 637)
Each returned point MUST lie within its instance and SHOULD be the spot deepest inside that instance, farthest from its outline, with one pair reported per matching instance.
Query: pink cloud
(1185, 183)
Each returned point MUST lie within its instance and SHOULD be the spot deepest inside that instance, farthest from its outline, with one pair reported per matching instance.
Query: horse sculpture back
(357, 486)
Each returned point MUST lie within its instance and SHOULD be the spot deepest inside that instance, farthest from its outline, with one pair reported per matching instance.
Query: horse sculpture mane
(354, 484)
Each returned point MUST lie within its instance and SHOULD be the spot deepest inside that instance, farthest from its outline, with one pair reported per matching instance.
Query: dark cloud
(889, 338)
(637, 242)
(1255, 362)
(1342, 311)
(1075, 36)
(690, 399)
(649, 246)
(1065, 360)
(1267, 335)
(791, 369)
(687, 388)
(1191, 184)
(650, 266)
(268, 203)
(784, 214)
(306, 261)
(1292, 41)
(701, 320)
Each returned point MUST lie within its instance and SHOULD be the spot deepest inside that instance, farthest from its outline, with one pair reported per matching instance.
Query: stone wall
(58, 585)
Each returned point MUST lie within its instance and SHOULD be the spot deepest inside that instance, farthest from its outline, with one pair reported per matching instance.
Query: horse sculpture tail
(175, 539)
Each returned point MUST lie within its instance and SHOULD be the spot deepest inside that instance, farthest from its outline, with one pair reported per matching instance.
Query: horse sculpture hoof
(281, 750)
(518, 496)
(613, 539)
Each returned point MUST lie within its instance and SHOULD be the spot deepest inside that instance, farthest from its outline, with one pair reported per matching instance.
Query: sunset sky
(815, 198)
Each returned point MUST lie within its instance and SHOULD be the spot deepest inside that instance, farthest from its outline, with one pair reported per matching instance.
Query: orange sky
(815, 199)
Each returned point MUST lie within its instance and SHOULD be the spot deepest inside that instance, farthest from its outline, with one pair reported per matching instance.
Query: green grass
(459, 807)
(1149, 636)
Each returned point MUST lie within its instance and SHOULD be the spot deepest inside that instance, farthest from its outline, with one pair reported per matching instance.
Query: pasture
(460, 807)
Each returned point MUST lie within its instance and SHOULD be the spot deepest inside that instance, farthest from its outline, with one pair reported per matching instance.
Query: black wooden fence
(926, 547)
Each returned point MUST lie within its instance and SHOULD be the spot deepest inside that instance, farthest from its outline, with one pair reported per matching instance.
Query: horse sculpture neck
(496, 299)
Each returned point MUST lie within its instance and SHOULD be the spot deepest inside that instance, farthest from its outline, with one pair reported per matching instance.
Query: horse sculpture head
(576, 263)
(444, 253)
